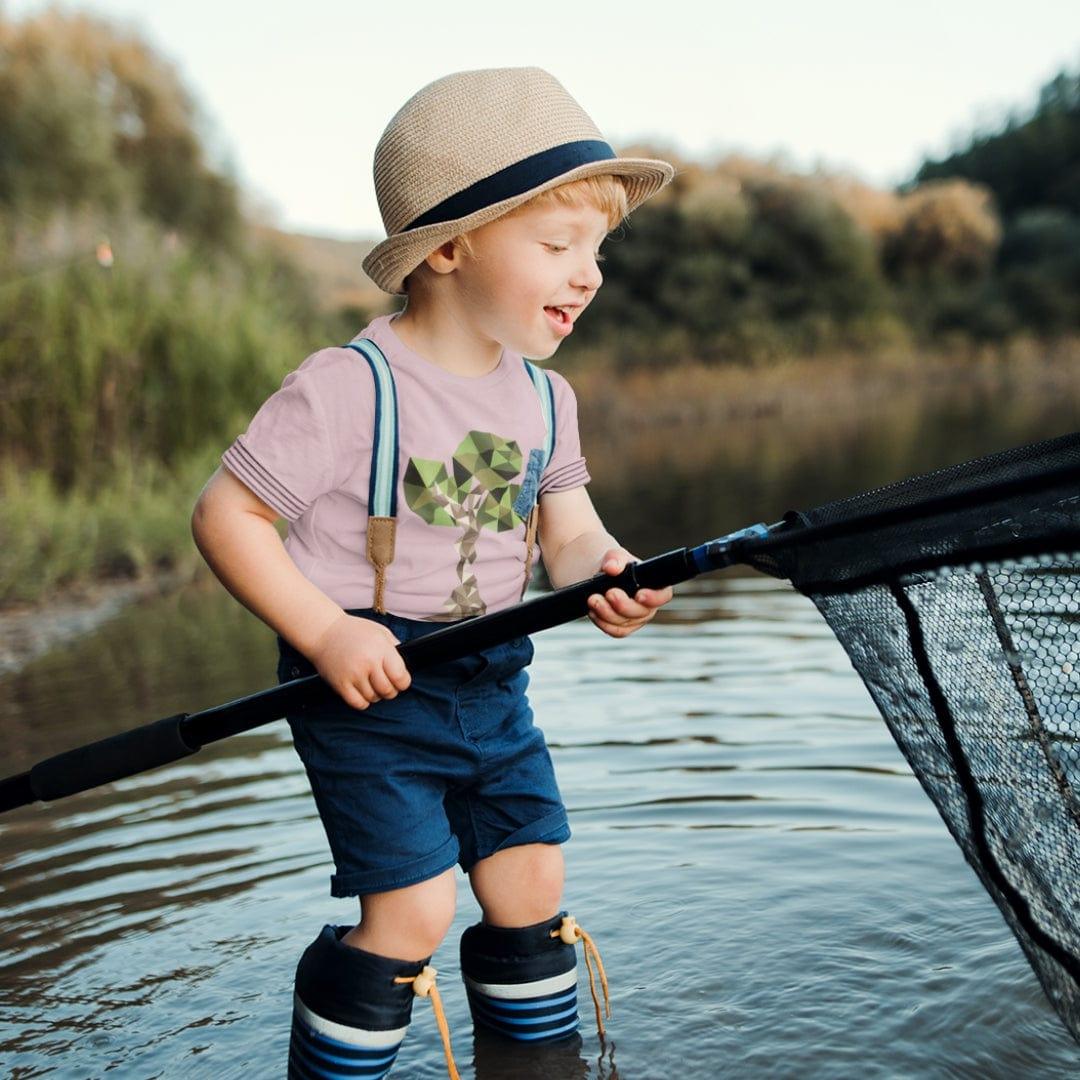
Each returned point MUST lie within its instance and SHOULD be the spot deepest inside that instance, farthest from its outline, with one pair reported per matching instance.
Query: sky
(294, 96)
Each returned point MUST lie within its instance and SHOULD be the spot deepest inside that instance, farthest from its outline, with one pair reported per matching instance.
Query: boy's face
(528, 265)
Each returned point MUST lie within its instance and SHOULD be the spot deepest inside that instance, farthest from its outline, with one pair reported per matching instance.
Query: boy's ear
(445, 259)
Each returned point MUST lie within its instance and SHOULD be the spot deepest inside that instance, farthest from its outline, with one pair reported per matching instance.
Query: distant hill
(335, 267)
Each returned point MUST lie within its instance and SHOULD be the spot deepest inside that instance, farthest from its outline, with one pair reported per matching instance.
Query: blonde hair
(605, 192)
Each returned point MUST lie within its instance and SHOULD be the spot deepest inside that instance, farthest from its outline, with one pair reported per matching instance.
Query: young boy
(415, 467)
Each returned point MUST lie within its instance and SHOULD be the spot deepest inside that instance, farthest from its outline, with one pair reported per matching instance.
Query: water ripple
(769, 885)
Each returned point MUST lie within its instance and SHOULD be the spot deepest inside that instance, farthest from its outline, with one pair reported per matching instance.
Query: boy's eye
(556, 248)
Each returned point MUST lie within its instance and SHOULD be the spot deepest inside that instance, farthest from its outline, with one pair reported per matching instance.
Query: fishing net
(957, 597)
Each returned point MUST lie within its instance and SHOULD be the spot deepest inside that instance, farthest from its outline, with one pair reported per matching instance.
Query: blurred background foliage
(145, 312)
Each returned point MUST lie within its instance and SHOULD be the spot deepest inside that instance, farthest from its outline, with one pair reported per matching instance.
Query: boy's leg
(519, 885)
(409, 922)
(349, 1014)
(521, 980)
(510, 821)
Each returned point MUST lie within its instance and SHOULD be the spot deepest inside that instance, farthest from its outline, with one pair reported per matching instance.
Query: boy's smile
(562, 317)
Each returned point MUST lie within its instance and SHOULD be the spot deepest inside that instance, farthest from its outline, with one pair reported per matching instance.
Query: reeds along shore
(843, 386)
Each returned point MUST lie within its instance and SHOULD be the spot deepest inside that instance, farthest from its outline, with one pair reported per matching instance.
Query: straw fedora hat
(471, 146)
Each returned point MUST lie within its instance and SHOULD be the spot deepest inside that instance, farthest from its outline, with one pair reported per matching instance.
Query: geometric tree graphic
(474, 493)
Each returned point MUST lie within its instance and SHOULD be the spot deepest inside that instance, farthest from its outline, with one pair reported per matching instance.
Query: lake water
(772, 892)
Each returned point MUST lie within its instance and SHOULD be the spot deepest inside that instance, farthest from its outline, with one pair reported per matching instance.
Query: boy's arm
(575, 545)
(234, 530)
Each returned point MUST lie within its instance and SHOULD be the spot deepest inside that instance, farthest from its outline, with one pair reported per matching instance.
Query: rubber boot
(521, 981)
(349, 1016)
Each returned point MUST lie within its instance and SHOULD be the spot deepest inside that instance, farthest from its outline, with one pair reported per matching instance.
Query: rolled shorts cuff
(553, 828)
(365, 882)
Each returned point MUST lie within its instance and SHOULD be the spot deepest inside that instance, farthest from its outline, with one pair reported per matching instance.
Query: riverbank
(28, 631)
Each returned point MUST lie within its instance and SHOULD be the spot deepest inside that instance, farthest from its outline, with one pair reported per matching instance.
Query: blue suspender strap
(382, 486)
(382, 483)
(542, 382)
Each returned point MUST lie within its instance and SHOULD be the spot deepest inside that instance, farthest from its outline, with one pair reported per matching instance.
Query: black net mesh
(957, 598)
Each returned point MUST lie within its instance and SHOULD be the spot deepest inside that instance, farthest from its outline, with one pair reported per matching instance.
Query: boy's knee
(521, 885)
(409, 922)
(543, 897)
(429, 923)
(550, 872)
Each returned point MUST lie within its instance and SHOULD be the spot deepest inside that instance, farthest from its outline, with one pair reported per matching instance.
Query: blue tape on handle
(703, 556)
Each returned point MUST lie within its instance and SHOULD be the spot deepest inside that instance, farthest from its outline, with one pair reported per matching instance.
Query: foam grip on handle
(110, 759)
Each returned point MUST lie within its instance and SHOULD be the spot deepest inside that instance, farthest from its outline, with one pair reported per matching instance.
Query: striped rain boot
(522, 981)
(351, 1009)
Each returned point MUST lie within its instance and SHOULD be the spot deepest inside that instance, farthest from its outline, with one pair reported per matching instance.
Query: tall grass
(119, 389)
(133, 525)
(150, 359)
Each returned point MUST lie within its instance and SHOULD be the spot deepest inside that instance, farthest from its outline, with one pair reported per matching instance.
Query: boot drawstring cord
(570, 932)
(423, 985)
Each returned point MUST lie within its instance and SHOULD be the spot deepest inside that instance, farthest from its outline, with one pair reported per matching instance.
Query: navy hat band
(515, 179)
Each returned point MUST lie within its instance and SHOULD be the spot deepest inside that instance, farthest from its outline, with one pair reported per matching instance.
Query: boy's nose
(587, 275)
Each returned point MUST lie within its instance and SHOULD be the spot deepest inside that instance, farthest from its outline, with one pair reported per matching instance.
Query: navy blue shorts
(450, 771)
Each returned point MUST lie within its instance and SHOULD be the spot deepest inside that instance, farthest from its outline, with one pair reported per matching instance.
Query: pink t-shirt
(460, 546)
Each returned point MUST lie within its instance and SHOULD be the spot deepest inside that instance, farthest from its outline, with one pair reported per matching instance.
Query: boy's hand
(616, 613)
(359, 659)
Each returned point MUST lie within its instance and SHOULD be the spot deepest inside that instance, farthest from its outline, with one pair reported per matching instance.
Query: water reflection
(664, 489)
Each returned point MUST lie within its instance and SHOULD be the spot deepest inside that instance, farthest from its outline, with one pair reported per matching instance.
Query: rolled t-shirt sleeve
(287, 454)
(567, 468)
